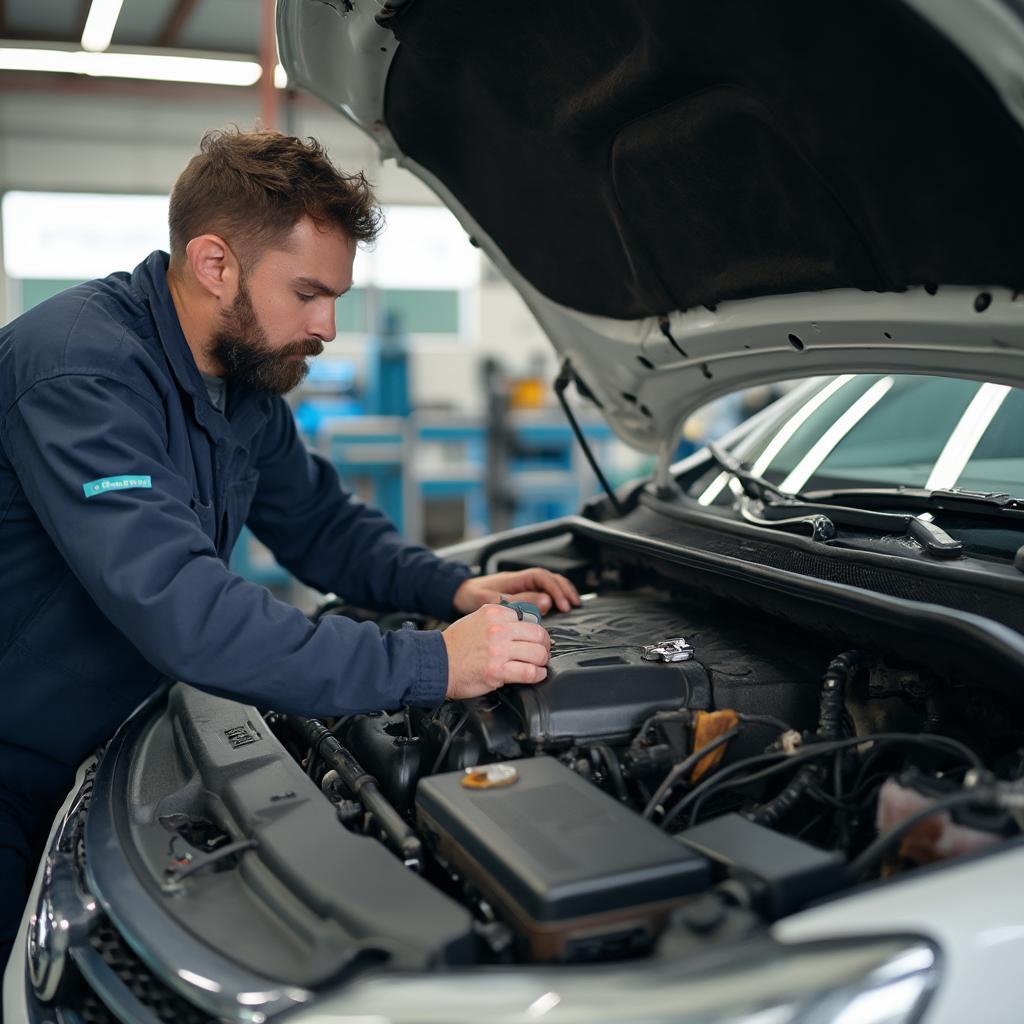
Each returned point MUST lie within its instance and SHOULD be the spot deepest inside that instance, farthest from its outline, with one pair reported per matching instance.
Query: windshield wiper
(754, 486)
(766, 505)
(952, 499)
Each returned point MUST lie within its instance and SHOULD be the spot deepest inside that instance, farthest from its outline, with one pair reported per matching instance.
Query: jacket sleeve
(332, 541)
(143, 557)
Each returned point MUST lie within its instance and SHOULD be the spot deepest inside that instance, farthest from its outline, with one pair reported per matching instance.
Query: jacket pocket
(206, 515)
(237, 503)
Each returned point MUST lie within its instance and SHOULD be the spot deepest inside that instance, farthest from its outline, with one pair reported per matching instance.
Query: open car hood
(695, 196)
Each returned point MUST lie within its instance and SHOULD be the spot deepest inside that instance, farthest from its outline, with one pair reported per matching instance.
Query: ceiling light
(99, 26)
(160, 67)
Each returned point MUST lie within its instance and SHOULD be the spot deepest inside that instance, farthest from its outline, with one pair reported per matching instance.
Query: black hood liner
(633, 157)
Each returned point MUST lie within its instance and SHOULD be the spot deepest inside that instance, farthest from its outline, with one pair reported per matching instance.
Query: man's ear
(214, 266)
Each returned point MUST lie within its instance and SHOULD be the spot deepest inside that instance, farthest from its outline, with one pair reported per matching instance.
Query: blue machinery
(401, 464)
(524, 468)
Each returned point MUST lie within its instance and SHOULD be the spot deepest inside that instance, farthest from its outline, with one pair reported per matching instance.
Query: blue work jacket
(122, 492)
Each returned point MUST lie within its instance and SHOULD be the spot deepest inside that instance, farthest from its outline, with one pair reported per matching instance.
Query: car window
(864, 430)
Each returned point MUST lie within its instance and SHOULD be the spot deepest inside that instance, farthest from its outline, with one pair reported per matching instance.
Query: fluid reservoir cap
(490, 776)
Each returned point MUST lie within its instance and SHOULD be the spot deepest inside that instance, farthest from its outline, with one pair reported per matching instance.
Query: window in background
(53, 240)
(422, 272)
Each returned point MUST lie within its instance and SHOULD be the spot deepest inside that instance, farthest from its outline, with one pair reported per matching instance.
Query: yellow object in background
(528, 393)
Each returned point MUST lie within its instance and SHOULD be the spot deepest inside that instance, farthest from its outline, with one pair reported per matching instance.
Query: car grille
(165, 1004)
(92, 1010)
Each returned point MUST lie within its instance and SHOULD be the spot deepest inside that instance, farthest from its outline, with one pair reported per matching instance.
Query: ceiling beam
(268, 59)
(175, 22)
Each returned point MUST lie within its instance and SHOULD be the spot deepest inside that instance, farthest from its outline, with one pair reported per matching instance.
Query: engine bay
(689, 763)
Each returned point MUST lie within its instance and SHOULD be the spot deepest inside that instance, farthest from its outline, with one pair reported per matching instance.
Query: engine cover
(598, 685)
(603, 694)
(577, 874)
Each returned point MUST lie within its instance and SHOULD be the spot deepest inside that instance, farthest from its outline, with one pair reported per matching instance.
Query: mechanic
(141, 425)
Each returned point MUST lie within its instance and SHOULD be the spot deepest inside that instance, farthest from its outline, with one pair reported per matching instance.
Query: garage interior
(743, 738)
(434, 400)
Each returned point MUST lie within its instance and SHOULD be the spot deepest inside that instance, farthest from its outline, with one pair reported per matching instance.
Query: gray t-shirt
(217, 389)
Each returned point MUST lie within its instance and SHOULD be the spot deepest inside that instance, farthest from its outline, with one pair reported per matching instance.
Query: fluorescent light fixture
(159, 67)
(280, 76)
(826, 444)
(99, 26)
(966, 435)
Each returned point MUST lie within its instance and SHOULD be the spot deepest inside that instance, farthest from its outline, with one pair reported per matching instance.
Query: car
(776, 771)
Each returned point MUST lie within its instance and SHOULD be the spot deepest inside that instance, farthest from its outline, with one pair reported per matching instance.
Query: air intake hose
(832, 703)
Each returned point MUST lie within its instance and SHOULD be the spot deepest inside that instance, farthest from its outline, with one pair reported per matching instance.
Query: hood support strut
(566, 374)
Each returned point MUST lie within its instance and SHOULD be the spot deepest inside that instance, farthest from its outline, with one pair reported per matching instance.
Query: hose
(397, 833)
(831, 708)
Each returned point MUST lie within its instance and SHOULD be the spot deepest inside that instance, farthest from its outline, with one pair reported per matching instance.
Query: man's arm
(143, 557)
(334, 542)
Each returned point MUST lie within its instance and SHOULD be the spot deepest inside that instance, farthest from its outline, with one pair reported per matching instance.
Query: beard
(249, 361)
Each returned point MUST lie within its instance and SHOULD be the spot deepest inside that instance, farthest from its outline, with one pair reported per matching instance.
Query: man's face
(284, 310)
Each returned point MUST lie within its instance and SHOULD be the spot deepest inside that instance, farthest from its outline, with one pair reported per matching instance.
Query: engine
(627, 682)
(675, 747)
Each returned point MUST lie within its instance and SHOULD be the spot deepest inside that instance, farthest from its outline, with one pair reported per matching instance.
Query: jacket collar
(248, 411)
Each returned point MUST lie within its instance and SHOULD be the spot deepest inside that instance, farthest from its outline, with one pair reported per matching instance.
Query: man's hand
(538, 586)
(492, 647)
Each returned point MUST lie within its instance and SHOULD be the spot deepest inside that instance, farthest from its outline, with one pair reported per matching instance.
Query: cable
(810, 752)
(175, 875)
(831, 712)
(446, 746)
(684, 766)
(877, 849)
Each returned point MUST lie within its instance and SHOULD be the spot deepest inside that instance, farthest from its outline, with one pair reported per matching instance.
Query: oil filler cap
(490, 776)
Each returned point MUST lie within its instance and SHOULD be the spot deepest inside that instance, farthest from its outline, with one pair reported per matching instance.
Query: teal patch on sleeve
(115, 483)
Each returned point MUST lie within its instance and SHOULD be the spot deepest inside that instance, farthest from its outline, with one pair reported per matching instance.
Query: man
(141, 425)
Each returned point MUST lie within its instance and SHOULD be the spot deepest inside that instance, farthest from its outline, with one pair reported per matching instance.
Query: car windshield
(885, 430)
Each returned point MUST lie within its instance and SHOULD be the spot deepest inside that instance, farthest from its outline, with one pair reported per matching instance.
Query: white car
(776, 773)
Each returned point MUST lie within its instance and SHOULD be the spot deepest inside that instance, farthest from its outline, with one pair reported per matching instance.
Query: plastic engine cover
(598, 685)
(576, 873)
(603, 695)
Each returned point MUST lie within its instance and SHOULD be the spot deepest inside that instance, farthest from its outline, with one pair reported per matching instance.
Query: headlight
(875, 981)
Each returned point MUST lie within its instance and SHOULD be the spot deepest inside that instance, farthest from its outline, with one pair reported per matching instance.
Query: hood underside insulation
(636, 158)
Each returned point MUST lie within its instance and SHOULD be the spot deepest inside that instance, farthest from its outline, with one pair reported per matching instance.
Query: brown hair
(252, 188)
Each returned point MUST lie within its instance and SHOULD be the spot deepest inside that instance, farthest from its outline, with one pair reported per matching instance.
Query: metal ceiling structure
(190, 29)
(227, 26)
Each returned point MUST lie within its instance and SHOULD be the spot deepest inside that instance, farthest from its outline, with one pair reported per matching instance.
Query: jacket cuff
(430, 686)
(438, 600)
